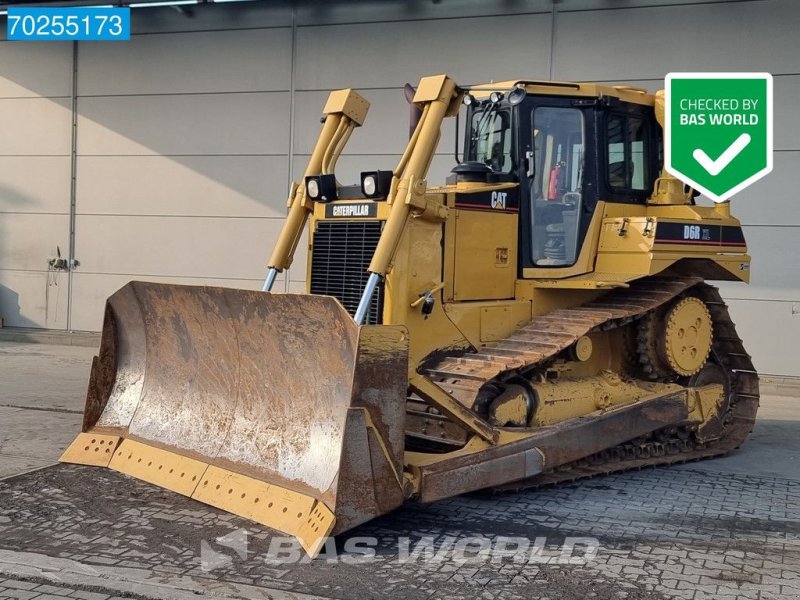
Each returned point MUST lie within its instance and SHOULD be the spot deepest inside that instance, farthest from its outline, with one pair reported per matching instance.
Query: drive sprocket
(676, 340)
(688, 334)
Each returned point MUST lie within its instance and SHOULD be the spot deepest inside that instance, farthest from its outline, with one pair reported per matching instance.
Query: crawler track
(541, 340)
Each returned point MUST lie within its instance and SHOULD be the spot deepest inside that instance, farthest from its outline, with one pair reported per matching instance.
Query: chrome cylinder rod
(271, 275)
(366, 298)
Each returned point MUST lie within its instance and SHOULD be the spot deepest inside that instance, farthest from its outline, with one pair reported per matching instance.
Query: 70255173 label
(69, 24)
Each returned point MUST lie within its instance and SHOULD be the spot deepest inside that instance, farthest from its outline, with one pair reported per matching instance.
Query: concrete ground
(42, 389)
(725, 528)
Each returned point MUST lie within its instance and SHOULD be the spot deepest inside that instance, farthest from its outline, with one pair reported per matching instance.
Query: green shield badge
(718, 130)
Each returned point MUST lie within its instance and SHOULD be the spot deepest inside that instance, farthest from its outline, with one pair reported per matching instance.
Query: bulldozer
(541, 317)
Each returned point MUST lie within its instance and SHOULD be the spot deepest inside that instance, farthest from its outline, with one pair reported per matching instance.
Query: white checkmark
(715, 166)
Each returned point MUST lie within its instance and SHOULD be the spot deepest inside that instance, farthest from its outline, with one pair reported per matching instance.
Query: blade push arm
(439, 98)
(344, 111)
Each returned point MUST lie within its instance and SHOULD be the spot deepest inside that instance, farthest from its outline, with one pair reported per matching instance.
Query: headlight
(321, 188)
(495, 97)
(370, 185)
(312, 188)
(376, 184)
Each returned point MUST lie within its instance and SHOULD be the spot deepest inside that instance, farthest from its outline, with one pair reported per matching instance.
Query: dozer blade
(278, 408)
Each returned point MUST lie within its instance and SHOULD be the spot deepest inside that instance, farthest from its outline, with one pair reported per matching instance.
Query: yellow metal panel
(160, 467)
(347, 102)
(495, 321)
(485, 255)
(416, 269)
(430, 88)
(632, 263)
(629, 234)
(470, 318)
(738, 265)
(91, 449)
(279, 508)
(449, 252)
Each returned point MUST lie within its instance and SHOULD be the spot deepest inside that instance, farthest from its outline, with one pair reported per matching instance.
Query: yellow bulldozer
(541, 317)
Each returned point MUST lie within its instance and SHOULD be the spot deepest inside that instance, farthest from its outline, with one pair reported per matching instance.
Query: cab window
(490, 140)
(627, 153)
(557, 186)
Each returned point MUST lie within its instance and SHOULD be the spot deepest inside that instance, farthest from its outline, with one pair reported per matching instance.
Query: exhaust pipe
(415, 112)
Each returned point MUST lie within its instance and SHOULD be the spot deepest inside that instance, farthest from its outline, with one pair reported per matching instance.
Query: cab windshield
(490, 139)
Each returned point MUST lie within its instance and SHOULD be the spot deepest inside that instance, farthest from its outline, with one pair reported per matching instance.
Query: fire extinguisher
(556, 186)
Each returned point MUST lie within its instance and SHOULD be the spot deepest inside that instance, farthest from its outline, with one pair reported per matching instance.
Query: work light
(321, 188)
(516, 96)
(376, 184)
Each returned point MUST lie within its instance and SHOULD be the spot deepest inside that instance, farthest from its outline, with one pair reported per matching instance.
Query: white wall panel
(28, 240)
(297, 287)
(218, 61)
(33, 299)
(235, 248)
(390, 54)
(244, 15)
(786, 90)
(774, 271)
(35, 126)
(191, 124)
(770, 201)
(385, 130)
(648, 43)
(365, 11)
(92, 289)
(769, 330)
(34, 184)
(594, 5)
(34, 180)
(33, 69)
(297, 272)
(234, 186)
(183, 137)
(349, 167)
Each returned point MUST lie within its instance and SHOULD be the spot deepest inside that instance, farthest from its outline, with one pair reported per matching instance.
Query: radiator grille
(340, 257)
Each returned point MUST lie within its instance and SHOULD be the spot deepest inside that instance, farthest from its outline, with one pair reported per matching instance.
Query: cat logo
(499, 200)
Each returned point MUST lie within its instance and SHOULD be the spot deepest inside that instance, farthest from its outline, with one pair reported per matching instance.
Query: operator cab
(568, 145)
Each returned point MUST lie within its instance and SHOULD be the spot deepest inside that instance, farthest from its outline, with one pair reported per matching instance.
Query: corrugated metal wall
(185, 137)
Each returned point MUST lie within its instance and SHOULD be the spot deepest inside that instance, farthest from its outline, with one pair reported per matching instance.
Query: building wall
(35, 159)
(186, 138)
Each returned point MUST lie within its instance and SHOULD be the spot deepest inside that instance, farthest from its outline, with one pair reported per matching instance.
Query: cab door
(558, 182)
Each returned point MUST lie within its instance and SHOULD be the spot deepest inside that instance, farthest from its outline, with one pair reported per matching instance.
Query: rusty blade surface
(296, 356)
(283, 389)
(257, 382)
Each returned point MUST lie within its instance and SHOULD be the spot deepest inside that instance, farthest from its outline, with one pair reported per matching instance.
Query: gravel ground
(723, 529)
(661, 533)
